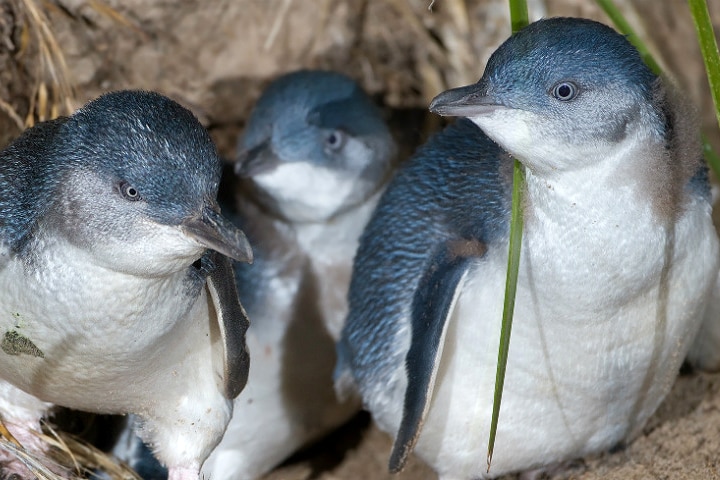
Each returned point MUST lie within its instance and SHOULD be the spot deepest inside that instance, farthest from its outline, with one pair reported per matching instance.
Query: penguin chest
(68, 333)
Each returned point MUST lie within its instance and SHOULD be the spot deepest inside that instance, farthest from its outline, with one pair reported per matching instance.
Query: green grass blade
(609, 7)
(624, 27)
(518, 18)
(708, 48)
(518, 14)
(516, 227)
(711, 156)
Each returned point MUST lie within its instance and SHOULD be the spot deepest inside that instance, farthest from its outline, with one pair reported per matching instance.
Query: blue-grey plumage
(619, 263)
(313, 159)
(117, 292)
(422, 208)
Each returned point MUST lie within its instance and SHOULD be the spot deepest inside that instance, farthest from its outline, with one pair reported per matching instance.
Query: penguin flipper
(233, 323)
(433, 304)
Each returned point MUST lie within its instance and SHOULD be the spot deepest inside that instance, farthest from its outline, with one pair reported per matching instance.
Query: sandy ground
(680, 442)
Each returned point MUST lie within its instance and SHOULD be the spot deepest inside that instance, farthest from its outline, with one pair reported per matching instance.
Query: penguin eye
(335, 140)
(129, 192)
(565, 91)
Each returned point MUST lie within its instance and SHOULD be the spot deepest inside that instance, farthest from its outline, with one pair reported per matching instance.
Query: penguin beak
(469, 101)
(255, 160)
(213, 231)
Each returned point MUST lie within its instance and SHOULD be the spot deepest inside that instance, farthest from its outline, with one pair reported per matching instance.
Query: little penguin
(618, 268)
(116, 280)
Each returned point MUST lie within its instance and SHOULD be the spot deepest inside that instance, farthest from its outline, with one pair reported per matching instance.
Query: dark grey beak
(468, 101)
(258, 159)
(213, 231)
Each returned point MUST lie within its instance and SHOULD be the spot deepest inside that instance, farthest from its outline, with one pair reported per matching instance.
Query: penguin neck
(635, 176)
(53, 263)
(311, 195)
(341, 232)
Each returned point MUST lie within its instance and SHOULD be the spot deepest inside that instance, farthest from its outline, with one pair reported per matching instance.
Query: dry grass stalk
(116, 17)
(65, 450)
(277, 24)
(86, 457)
(33, 463)
(447, 57)
(457, 37)
(323, 17)
(436, 53)
(45, 103)
(433, 58)
(56, 441)
(5, 433)
(12, 113)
